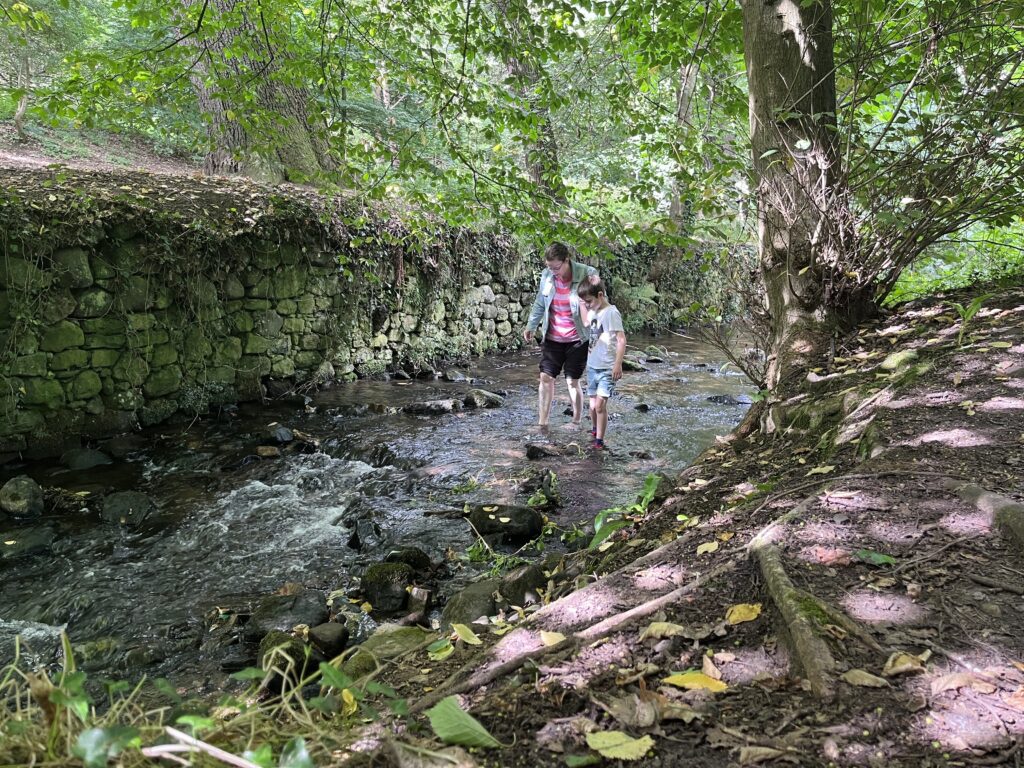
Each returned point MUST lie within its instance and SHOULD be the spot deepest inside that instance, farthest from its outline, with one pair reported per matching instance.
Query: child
(607, 347)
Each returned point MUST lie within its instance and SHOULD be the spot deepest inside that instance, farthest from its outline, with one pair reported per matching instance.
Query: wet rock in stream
(84, 458)
(22, 497)
(385, 586)
(388, 642)
(471, 604)
(282, 612)
(434, 407)
(130, 508)
(414, 557)
(329, 638)
(481, 398)
(26, 541)
(40, 643)
(512, 524)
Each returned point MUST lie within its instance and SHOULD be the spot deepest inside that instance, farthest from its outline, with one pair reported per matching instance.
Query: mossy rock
(72, 267)
(29, 365)
(23, 276)
(388, 642)
(285, 653)
(47, 393)
(94, 302)
(163, 381)
(61, 336)
(385, 586)
(85, 385)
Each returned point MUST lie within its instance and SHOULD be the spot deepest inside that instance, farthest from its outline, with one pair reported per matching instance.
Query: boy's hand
(527, 335)
(617, 371)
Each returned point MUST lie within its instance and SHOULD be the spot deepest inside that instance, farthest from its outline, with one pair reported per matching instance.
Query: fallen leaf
(874, 558)
(822, 470)
(616, 745)
(864, 679)
(741, 612)
(630, 711)
(694, 680)
(708, 668)
(1000, 345)
(726, 535)
(1016, 699)
(710, 546)
(959, 680)
(440, 649)
(659, 630)
(349, 705)
(754, 755)
(551, 638)
(904, 664)
(466, 634)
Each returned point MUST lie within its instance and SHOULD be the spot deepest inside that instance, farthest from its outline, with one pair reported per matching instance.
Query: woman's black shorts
(570, 356)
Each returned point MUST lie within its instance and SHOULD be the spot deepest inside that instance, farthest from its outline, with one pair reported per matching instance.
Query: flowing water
(231, 526)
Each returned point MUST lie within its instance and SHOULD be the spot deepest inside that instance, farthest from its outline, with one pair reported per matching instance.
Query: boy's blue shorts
(600, 382)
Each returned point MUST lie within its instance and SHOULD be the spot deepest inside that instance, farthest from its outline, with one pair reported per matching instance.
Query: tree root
(812, 654)
(1007, 513)
(589, 634)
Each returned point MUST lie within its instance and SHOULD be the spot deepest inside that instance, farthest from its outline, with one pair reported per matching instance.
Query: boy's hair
(590, 287)
(556, 252)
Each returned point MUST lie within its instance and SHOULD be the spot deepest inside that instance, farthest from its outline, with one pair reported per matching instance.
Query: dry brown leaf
(864, 679)
(754, 755)
(629, 710)
(695, 681)
(708, 668)
(710, 546)
(724, 657)
(959, 680)
(905, 664)
(1016, 699)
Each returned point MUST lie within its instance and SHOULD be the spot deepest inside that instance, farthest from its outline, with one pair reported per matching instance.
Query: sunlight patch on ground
(875, 608)
(967, 522)
(661, 577)
(1002, 404)
(893, 532)
(518, 642)
(592, 661)
(825, 532)
(954, 438)
(583, 608)
(748, 665)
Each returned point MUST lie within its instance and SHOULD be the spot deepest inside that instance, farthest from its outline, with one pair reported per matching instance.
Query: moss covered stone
(288, 283)
(23, 276)
(69, 359)
(30, 365)
(132, 369)
(104, 358)
(72, 267)
(384, 586)
(61, 336)
(163, 381)
(256, 344)
(108, 326)
(163, 354)
(137, 295)
(46, 393)
(85, 385)
(94, 302)
(227, 350)
(55, 306)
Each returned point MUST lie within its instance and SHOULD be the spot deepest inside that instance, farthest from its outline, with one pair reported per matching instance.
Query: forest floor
(87, 150)
(847, 590)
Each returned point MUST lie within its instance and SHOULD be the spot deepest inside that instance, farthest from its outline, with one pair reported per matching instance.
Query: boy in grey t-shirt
(607, 347)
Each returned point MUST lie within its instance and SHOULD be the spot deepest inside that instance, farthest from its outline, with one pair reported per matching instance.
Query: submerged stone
(282, 612)
(130, 508)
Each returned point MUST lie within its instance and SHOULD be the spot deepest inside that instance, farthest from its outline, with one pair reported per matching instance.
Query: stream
(231, 526)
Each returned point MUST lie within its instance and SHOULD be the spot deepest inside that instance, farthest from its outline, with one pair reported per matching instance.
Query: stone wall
(123, 304)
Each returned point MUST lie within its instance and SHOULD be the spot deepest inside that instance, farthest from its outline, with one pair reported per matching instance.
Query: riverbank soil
(844, 589)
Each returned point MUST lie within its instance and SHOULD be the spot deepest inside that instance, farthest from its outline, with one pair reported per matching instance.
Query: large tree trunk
(805, 238)
(540, 155)
(680, 208)
(277, 139)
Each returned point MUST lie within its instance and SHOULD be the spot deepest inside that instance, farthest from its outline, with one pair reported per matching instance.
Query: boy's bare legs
(545, 394)
(576, 399)
(599, 407)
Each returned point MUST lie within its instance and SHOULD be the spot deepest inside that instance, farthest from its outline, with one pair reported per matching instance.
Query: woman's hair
(556, 252)
(590, 287)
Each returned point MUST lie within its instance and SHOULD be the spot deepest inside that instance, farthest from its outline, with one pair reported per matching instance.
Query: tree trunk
(680, 209)
(25, 84)
(540, 155)
(276, 139)
(805, 233)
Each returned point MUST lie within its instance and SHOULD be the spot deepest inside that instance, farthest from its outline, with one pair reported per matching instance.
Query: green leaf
(334, 677)
(453, 725)
(295, 755)
(440, 649)
(263, 757)
(874, 558)
(98, 745)
(249, 673)
(617, 745)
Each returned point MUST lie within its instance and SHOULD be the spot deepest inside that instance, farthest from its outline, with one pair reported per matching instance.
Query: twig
(188, 743)
(932, 554)
(995, 584)
(589, 634)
